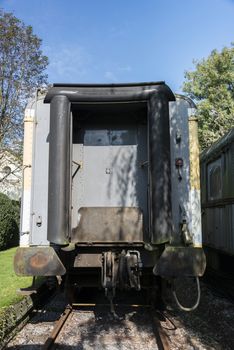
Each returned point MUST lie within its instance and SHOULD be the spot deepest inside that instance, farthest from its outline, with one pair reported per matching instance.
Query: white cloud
(110, 76)
(125, 68)
(67, 63)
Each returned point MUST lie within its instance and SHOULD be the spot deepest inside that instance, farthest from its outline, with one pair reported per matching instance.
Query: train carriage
(111, 193)
(217, 174)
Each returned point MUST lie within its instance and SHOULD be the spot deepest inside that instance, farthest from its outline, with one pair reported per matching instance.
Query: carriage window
(214, 180)
(110, 136)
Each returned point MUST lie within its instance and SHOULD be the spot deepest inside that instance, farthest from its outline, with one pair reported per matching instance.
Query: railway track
(89, 324)
(61, 328)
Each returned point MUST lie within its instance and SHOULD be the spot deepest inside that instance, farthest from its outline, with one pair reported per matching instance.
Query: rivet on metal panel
(144, 164)
(178, 136)
(39, 221)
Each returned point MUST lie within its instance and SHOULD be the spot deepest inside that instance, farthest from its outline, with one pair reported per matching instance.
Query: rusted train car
(111, 193)
(217, 193)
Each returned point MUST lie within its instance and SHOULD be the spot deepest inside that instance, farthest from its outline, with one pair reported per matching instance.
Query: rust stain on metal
(39, 260)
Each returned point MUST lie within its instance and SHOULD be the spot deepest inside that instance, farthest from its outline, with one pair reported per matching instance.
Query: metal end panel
(181, 261)
(37, 261)
(160, 170)
(88, 260)
(108, 224)
(158, 96)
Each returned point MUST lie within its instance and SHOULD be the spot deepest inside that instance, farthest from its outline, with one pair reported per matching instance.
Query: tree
(9, 222)
(211, 86)
(22, 70)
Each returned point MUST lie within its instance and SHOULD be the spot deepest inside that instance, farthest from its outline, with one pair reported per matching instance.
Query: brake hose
(198, 297)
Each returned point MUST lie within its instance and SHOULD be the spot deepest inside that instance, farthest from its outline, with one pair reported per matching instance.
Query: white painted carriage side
(196, 224)
(181, 208)
(185, 197)
(35, 174)
(29, 122)
(40, 169)
(195, 193)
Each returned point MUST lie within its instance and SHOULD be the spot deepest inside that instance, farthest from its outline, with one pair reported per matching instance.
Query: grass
(9, 282)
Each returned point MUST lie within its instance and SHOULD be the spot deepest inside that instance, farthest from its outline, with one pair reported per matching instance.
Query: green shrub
(9, 222)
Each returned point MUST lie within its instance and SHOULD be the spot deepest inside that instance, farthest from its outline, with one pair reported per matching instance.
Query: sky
(100, 41)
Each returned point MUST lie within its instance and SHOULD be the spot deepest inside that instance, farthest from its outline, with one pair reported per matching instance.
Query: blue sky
(126, 40)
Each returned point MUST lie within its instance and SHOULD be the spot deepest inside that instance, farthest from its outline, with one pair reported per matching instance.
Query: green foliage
(9, 222)
(9, 282)
(22, 67)
(211, 86)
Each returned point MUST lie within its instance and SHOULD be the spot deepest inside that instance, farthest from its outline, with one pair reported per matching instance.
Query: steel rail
(57, 328)
(74, 305)
(161, 336)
